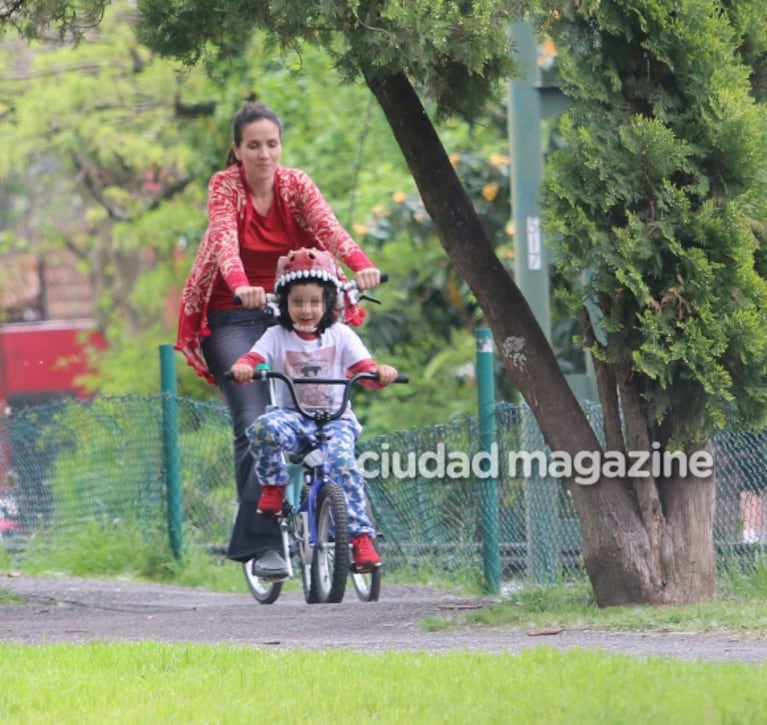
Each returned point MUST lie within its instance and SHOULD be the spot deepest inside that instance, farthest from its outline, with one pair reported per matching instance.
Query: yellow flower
(454, 293)
(454, 159)
(490, 191)
(547, 52)
(548, 48)
(510, 228)
(498, 160)
(359, 229)
(399, 196)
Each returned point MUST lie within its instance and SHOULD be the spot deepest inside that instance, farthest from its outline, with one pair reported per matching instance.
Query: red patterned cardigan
(308, 220)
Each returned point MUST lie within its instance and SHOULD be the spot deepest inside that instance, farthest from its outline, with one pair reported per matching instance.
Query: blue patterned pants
(282, 430)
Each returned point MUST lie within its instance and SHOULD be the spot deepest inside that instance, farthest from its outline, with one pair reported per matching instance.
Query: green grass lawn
(148, 682)
(741, 610)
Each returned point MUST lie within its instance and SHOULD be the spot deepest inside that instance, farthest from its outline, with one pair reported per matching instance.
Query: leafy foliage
(456, 50)
(658, 198)
(68, 19)
(430, 294)
(182, 122)
(101, 144)
(663, 173)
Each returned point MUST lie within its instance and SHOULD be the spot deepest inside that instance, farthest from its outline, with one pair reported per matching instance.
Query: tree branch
(89, 176)
(169, 190)
(193, 110)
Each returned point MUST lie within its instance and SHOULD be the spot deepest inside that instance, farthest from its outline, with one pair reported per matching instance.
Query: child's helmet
(306, 265)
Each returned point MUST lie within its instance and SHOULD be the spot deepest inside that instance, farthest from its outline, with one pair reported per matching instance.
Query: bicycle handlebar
(263, 374)
(351, 286)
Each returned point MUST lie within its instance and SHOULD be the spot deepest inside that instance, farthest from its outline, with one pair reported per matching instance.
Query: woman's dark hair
(250, 112)
(329, 296)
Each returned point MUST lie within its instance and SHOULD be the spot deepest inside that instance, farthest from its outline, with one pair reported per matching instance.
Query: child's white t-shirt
(329, 356)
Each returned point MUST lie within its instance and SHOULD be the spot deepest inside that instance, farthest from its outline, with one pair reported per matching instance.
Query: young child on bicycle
(310, 342)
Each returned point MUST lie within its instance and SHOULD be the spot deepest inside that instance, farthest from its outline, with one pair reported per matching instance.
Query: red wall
(40, 358)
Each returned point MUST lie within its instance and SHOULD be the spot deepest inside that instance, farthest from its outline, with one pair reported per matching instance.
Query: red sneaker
(271, 499)
(365, 555)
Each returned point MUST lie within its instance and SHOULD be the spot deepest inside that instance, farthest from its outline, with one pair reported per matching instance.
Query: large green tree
(660, 193)
(97, 134)
(662, 179)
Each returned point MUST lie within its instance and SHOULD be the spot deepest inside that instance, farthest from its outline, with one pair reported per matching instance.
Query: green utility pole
(528, 103)
(531, 263)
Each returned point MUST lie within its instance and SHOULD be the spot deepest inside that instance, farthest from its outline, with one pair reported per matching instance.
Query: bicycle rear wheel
(330, 561)
(264, 591)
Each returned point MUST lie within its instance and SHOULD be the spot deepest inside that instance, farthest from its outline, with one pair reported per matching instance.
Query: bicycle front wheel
(330, 562)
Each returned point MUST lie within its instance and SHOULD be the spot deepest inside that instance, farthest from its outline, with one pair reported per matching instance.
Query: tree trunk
(624, 563)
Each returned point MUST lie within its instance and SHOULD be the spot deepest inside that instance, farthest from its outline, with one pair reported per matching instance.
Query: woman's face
(260, 149)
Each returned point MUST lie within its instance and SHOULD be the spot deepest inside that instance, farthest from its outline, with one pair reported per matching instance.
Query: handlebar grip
(402, 379)
(384, 277)
(256, 374)
(270, 299)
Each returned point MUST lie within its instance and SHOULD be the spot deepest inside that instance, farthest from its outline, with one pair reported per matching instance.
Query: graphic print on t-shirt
(314, 364)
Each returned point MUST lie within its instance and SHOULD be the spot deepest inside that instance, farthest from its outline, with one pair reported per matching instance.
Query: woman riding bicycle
(310, 342)
(257, 211)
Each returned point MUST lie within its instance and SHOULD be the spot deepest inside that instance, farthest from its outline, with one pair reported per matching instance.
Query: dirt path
(83, 610)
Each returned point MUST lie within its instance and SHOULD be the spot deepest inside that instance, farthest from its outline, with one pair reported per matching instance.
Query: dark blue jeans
(234, 333)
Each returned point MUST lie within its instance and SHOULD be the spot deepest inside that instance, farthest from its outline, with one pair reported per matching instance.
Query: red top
(263, 242)
(299, 217)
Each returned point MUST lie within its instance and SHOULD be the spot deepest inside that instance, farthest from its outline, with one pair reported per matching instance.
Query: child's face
(306, 306)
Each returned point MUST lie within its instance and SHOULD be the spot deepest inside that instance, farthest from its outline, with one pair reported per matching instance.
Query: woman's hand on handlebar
(251, 296)
(241, 373)
(367, 278)
(386, 374)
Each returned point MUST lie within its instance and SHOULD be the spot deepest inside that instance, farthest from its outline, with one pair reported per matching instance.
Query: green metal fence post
(171, 451)
(491, 555)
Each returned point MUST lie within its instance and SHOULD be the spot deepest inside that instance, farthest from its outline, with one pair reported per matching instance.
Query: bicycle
(313, 521)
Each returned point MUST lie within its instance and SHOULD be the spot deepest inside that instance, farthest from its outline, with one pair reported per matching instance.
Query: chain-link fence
(75, 463)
